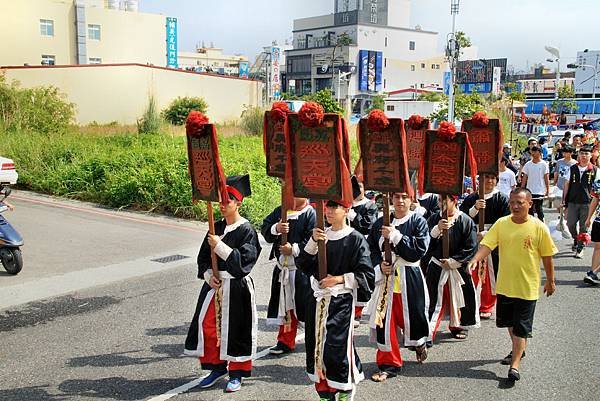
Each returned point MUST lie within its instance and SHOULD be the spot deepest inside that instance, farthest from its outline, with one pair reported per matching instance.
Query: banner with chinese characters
(171, 27)
(207, 176)
(383, 155)
(275, 146)
(486, 142)
(444, 163)
(318, 158)
(415, 141)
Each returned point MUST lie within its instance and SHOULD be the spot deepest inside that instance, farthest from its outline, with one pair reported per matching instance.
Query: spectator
(591, 276)
(506, 178)
(506, 153)
(561, 172)
(526, 155)
(544, 147)
(536, 180)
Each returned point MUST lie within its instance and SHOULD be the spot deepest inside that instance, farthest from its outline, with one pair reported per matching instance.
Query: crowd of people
(404, 298)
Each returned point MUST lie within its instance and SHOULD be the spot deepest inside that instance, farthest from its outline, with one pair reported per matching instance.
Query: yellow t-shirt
(521, 246)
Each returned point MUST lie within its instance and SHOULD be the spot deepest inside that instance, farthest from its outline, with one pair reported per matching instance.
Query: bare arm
(524, 181)
(565, 193)
(481, 254)
(547, 182)
(590, 216)
(549, 286)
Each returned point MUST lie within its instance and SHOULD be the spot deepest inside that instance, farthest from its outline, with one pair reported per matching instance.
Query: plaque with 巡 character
(383, 154)
(416, 128)
(444, 163)
(485, 136)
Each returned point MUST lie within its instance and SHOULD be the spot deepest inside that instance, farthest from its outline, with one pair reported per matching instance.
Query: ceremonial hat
(238, 186)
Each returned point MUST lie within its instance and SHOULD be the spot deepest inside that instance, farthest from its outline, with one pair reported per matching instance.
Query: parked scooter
(10, 239)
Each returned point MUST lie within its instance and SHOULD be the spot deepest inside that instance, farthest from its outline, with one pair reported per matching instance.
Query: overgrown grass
(141, 172)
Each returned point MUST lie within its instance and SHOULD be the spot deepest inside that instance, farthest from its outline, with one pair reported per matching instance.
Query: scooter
(10, 240)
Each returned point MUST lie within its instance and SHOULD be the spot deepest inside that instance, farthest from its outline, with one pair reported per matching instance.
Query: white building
(384, 53)
(584, 76)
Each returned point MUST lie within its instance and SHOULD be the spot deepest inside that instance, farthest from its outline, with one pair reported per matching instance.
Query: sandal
(485, 315)
(460, 334)
(421, 353)
(381, 376)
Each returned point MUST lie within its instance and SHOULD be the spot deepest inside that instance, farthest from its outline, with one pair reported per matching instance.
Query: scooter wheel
(12, 259)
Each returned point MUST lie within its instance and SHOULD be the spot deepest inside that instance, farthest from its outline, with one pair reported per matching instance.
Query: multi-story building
(588, 74)
(73, 32)
(368, 41)
(212, 59)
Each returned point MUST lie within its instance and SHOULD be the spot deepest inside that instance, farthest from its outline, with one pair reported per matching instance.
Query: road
(92, 317)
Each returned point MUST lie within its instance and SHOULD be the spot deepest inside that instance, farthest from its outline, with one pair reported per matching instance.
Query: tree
(464, 106)
(512, 93)
(176, 113)
(565, 101)
(325, 98)
(378, 103)
(432, 97)
(463, 40)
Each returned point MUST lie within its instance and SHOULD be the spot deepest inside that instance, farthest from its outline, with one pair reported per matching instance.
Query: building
(364, 48)
(269, 67)
(541, 83)
(72, 32)
(481, 75)
(212, 59)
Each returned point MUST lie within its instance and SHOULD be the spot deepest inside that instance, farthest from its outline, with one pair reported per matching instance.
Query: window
(390, 107)
(437, 66)
(423, 65)
(412, 67)
(385, 62)
(384, 83)
(93, 32)
(411, 45)
(95, 60)
(386, 41)
(47, 27)
(48, 59)
(422, 85)
(433, 66)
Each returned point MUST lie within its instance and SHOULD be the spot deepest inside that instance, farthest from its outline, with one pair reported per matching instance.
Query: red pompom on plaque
(377, 121)
(311, 114)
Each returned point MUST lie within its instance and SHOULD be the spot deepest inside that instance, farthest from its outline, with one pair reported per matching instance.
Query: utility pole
(452, 52)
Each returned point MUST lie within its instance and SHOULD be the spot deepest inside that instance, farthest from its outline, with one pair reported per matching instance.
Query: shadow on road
(119, 388)
(37, 393)
(180, 330)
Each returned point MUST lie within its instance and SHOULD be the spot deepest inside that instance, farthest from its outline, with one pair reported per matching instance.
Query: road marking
(188, 386)
(105, 214)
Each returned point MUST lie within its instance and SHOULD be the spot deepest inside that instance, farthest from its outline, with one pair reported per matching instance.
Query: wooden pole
(445, 237)
(481, 190)
(387, 249)
(284, 209)
(321, 243)
(211, 230)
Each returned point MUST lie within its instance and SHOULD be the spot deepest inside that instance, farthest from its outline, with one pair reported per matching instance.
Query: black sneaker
(280, 349)
(591, 278)
(574, 247)
(514, 375)
(508, 358)
(579, 252)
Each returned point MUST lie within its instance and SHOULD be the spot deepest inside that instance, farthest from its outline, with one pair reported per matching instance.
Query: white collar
(361, 202)
(488, 196)
(234, 226)
(397, 222)
(296, 214)
(336, 235)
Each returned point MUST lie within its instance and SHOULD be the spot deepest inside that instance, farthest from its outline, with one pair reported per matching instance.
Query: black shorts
(595, 231)
(516, 313)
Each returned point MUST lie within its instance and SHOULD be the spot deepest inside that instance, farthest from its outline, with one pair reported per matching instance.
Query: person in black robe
(289, 286)
(331, 359)
(495, 204)
(429, 205)
(449, 282)
(400, 299)
(223, 330)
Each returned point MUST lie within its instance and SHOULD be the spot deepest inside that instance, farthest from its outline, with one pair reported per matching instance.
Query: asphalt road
(91, 317)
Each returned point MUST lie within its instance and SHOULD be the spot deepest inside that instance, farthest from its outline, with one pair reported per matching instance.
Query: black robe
(347, 255)
(409, 249)
(430, 203)
(301, 226)
(239, 321)
(366, 214)
(463, 245)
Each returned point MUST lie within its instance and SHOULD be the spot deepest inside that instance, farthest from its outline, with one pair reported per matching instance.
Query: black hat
(355, 187)
(238, 186)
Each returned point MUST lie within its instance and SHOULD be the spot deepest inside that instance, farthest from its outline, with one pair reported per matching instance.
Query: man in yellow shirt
(522, 241)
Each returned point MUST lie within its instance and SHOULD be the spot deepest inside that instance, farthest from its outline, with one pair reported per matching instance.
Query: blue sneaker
(234, 384)
(212, 378)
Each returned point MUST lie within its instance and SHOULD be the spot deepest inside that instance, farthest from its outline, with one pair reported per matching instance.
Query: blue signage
(485, 87)
(243, 69)
(379, 72)
(363, 74)
(447, 82)
(370, 71)
(172, 42)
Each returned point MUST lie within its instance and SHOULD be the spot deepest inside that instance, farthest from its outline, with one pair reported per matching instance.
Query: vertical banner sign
(496, 77)
(384, 167)
(444, 164)
(275, 72)
(363, 76)
(372, 69)
(447, 82)
(203, 168)
(415, 141)
(316, 159)
(172, 42)
(275, 147)
(379, 71)
(243, 67)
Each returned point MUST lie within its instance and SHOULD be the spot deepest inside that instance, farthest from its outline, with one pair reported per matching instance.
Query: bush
(42, 109)
(325, 98)
(179, 109)
(378, 103)
(252, 120)
(151, 122)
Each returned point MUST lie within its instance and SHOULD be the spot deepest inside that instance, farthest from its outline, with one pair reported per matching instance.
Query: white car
(8, 174)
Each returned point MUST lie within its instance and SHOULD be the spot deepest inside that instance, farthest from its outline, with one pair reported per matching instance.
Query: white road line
(188, 386)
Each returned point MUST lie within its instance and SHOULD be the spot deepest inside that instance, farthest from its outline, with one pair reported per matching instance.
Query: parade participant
(506, 178)
(429, 203)
(495, 205)
(331, 358)
(224, 337)
(522, 241)
(449, 282)
(408, 301)
(536, 180)
(577, 196)
(289, 286)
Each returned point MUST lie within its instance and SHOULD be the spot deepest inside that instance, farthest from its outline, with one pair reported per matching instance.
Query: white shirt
(506, 181)
(535, 176)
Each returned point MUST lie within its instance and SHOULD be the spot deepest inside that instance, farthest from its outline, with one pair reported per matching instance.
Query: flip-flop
(421, 353)
(380, 377)
(460, 334)
(485, 315)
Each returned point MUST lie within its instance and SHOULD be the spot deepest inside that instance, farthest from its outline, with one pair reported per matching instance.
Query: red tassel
(289, 179)
(265, 124)
(407, 187)
(472, 162)
(343, 145)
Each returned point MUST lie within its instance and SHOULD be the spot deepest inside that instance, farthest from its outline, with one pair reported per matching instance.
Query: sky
(515, 29)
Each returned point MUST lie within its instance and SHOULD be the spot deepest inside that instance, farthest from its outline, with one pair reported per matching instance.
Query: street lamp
(452, 52)
(556, 53)
(594, 84)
